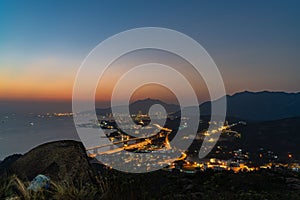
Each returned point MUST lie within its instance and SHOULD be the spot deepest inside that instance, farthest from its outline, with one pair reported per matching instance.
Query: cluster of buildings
(221, 158)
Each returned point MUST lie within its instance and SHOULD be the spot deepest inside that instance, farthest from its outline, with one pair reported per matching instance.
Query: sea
(21, 132)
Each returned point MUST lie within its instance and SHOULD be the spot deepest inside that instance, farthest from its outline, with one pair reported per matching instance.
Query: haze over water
(21, 132)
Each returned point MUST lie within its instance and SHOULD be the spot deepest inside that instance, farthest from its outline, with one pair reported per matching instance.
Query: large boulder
(6, 163)
(61, 160)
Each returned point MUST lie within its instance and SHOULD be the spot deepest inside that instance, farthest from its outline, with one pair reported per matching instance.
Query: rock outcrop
(61, 161)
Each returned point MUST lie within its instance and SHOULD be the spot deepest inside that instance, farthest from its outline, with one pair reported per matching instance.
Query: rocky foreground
(74, 177)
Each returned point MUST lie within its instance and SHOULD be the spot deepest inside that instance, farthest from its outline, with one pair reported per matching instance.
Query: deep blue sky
(255, 44)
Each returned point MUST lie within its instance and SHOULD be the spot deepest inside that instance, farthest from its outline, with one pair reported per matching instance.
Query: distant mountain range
(142, 106)
(260, 106)
(254, 106)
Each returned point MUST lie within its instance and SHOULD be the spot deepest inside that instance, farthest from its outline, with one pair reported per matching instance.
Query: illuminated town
(221, 158)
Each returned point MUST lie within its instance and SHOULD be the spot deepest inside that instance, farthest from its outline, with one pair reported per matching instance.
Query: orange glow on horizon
(53, 78)
(34, 89)
(42, 79)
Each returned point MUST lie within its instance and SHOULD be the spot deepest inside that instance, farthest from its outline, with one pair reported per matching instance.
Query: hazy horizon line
(57, 105)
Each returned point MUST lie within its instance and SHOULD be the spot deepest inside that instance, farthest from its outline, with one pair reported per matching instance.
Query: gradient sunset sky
(255, 44)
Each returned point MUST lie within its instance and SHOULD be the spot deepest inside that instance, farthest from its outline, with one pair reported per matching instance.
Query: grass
(157, 185)
(12, 188)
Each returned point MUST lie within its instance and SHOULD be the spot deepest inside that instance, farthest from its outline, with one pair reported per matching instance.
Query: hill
(142, 106)
(260, 106)
(253, 106)
(61, 160)
(280, 136)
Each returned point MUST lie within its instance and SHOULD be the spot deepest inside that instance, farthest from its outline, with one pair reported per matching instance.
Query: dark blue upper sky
(255, 44)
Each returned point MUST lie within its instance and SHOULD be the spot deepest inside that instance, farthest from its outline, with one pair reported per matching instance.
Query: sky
(255, 44)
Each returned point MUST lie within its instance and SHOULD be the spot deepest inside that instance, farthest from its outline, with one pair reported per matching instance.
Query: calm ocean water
(21, 132)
